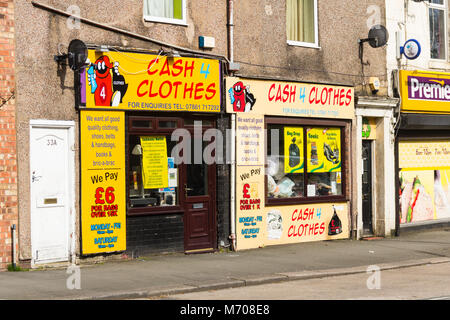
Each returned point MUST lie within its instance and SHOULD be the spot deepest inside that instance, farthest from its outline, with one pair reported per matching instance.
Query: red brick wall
(8, 160)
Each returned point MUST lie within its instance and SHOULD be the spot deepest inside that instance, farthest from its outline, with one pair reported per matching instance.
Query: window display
(154, 174)
(324, 164)
(289, 174)
(284, 163)
(162, 169)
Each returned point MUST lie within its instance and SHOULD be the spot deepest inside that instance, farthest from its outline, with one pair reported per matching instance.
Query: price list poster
(103, 193)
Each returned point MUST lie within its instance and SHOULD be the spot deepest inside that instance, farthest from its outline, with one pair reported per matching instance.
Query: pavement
(162, 275)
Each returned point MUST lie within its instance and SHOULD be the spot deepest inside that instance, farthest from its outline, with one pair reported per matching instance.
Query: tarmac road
(430, 281)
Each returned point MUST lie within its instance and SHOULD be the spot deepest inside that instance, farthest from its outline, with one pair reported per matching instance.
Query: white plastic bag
(272, 187)
(285, 187)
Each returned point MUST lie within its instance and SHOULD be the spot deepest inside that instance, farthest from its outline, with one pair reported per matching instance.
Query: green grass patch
(15, 268)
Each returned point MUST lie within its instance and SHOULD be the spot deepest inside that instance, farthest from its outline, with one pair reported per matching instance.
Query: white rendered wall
(410, 20)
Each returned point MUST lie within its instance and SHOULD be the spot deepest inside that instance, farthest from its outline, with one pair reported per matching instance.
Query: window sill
(438, 64)
(303, 44)
(166, 21)
(147, 211)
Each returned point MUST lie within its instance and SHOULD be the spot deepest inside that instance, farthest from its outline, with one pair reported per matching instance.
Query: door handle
(34, 177)
(186, 189)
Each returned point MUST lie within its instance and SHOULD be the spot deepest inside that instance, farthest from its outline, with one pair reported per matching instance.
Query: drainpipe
(13, 249)
(232, 182)
(233, 135)
(230, 31)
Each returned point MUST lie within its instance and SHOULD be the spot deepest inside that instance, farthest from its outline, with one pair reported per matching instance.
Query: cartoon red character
(103, 94)
(241, 98)
(108, 87)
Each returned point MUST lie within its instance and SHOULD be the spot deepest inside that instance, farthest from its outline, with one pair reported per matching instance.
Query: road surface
(430, 281)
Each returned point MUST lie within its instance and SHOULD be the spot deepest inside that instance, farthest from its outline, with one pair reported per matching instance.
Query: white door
(51, 171)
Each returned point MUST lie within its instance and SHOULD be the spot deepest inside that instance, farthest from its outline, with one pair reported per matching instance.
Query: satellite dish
(378, 36)
(77, 54)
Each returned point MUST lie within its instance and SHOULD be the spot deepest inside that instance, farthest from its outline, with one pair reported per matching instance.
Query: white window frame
(314, 44)
(150, 18)
(444, 8)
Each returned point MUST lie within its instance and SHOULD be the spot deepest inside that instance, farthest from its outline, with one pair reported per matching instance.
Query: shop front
(424, 149)
(292, 165)
(147, 182)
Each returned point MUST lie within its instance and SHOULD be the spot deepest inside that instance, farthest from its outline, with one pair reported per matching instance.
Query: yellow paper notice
(332, 150)
(155, 170)
(324, 150)
(293, 150)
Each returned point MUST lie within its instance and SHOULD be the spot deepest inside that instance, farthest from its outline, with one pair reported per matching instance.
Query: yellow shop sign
(136, 81)
(290, 99)
(424, 155)
(425, 92)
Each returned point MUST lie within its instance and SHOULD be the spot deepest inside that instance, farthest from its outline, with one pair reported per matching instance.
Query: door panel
(198, 225)
(49, 166)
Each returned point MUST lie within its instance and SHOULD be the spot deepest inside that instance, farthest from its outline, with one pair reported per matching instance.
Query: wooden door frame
(212, 190)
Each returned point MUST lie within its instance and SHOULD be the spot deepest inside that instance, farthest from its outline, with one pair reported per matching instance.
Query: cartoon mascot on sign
(241, 98)
(107, 84)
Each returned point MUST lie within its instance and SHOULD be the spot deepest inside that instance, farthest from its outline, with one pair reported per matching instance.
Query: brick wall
(155, 234)
(8, 162)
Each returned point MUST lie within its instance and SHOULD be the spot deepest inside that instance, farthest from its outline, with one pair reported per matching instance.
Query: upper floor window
(438, 31)
(301, 22)
(166, 11)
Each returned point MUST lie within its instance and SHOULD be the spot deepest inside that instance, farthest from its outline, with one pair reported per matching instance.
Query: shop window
(285, 162)
(204, 123)
(324, 161)
(167, 124)
(303, 163)
(142, 124)
(165, 11)
(438, 31)
(157, 181)
(301, 22)
(196, 171)
(153, 178)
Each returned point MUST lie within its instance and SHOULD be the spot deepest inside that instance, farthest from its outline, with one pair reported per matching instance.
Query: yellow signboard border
(87, 237)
